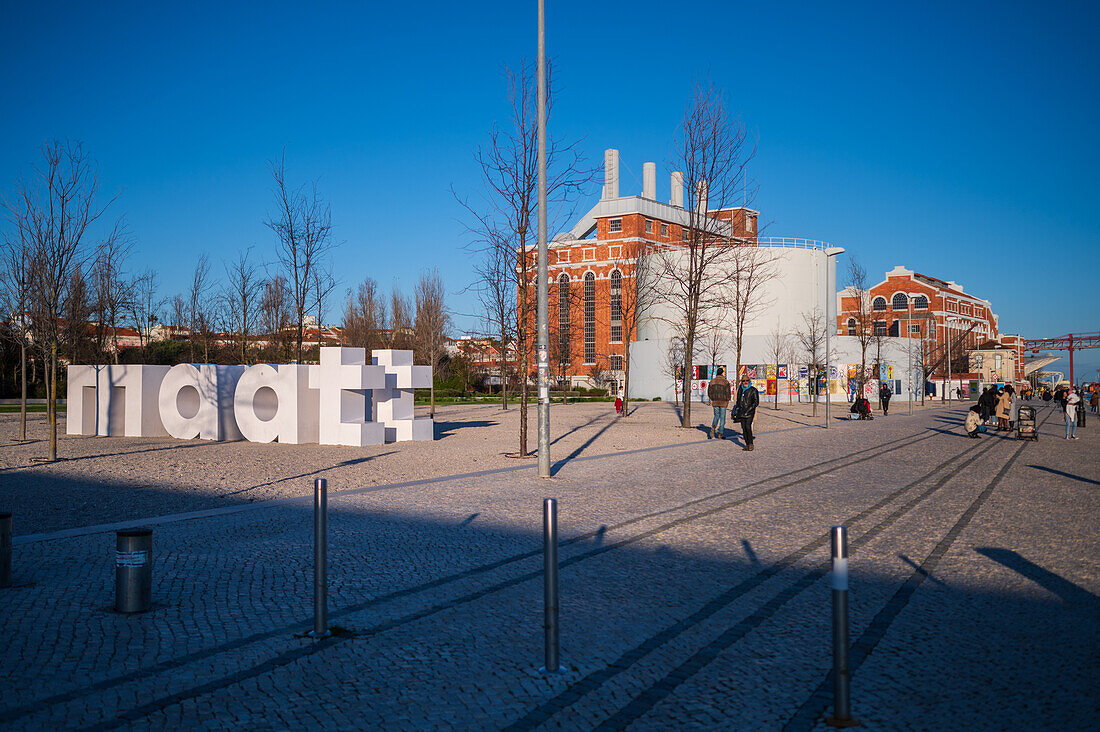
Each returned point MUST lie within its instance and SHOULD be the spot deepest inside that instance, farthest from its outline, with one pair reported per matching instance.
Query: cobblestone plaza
(694, 590)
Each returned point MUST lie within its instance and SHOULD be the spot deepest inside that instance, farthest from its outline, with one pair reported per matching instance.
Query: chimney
(701, 197)
(677, 189)
(649, 181)
(610, 174)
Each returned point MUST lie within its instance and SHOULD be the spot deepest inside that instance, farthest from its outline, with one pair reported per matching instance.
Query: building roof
(626, 205)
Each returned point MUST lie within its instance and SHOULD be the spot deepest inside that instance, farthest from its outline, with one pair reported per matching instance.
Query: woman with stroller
(862, 407)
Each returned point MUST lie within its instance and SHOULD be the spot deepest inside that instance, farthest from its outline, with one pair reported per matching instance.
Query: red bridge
(1071, 343)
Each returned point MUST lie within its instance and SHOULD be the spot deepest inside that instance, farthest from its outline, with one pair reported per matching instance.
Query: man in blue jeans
(719, 394)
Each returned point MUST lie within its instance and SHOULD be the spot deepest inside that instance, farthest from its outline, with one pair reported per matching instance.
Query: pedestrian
(1013, 407)
(974, 422)
(744, 410)
(1094, 400)
(1004, 401)
(884, 395)
(959, 393)
(619, 405)
(719, 394)
(985, 403)
(1071, 414)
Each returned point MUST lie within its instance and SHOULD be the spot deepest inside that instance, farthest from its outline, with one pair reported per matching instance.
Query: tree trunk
(52, 401)
(689, 347)
(431, 393)
(23, 389)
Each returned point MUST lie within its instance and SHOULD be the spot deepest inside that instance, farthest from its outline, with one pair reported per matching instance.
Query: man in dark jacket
(884, 395)
(748, 399)
(719, 394)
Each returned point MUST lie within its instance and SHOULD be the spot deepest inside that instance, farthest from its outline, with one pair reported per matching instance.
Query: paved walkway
(694, 595)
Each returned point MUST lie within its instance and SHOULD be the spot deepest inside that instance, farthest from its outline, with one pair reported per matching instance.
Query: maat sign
(346, 400)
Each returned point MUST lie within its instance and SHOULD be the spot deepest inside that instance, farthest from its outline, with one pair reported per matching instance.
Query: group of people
(1000, 404)
(861, 407)
(720, 393)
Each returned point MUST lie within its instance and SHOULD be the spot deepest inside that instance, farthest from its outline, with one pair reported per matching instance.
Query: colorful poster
(781, 372)
(889, 372)
(750, 371)
(792, 387)
(761, 385)
(741, 371)
(852, 371)
(771, 371)
(882, 371)
(803, 372)
(773, 387)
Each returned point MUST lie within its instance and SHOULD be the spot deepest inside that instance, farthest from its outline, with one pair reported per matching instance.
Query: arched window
(851, 326)
(563, 318)
(878, 304)
(901, 302)
(590, 318)
(616, 306)
(920, 302)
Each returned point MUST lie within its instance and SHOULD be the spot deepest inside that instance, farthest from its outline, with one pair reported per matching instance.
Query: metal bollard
(320, 559)
(838, 580)
(133, 570)
(550, 585)
(5, 550)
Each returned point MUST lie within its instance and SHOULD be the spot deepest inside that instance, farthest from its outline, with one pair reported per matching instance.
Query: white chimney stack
(701, 196)
(610, 174)
(677, 189)
(649, 181)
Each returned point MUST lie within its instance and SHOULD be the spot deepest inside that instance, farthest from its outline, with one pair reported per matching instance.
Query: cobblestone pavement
(694, 592)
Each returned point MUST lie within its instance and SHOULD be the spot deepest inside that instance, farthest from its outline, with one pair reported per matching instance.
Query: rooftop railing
(792, 242)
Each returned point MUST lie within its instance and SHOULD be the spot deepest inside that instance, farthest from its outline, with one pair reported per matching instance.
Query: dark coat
(719, 392)
(747, 402)
(884, 393)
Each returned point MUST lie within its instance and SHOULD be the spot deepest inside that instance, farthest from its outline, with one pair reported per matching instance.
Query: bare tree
(111, 285)
(864, 331)
(713, 151)
(752, 269)
(275, 315)
(779, 349)
(673, 363)
(303, 225)
(495, 289)
(52, 214)
(431, 322)
(401, 320)
(16, 278)
(365, 317)
(76, 337)
(640, 268)
(144, 307)
(198, 310)
(323, 285)
(242, 294)
(509, 165)
(566, 300)
(810, 336)
(178, 314)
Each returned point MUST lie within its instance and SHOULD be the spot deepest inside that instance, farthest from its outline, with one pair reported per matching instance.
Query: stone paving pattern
(693, 578)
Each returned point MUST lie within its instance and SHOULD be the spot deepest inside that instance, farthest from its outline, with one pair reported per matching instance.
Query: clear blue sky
(958, 139)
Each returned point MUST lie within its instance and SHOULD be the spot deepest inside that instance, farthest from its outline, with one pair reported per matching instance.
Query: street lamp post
(830, 321)
(543, 305)
(909, 353)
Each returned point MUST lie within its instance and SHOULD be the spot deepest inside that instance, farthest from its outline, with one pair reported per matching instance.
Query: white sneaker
(1074, 437)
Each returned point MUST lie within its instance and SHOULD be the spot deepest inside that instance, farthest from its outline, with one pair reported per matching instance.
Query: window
(901, 302)
(563, 318)
(878, 304)
(616, 363)
(616, 306)
(748, 223)
(563, 255)
(616, 225)
(880, 327)
(851, 326)
(914, 328)
(920, 302)
(648, 226)
(997, 362)
(978, 360)
(590, 318)
(664, 229)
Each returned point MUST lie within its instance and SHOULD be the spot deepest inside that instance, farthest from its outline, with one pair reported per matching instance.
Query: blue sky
(958, 139)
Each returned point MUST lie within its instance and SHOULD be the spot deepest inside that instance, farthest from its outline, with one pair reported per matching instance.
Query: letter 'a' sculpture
(343, 401)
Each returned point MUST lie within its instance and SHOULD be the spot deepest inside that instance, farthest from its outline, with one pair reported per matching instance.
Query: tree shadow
(1064, 474)
(444, 429)
(1069, 592)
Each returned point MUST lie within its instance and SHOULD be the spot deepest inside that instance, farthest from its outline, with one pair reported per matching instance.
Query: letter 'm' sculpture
(343, 401)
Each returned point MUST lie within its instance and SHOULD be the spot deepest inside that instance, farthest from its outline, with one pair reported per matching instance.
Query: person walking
(1094, 400)
(1071, 414)
(884, 395)
(744, 410)
(719, 394)
(1004, 401)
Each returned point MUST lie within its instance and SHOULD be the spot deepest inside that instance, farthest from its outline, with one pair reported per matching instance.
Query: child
(974, 422)
(619, 405)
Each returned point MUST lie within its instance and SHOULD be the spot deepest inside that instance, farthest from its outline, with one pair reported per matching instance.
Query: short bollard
(320, 559)
(838, 580)
(550, 585)
(133, 570)
(5, 550)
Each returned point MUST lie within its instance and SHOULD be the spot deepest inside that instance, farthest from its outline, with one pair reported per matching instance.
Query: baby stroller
(1025, 424)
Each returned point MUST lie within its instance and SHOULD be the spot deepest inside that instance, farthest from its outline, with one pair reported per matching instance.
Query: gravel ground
(693, 577)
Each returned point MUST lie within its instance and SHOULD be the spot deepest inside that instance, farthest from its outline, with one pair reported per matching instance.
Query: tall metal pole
(947, 331)
(909, 353)
(543, 305)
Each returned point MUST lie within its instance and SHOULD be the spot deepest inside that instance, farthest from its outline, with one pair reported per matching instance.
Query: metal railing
(792, 242)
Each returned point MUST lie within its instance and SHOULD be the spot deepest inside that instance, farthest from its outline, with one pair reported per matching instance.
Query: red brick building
(939, 312)
(591, 268)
